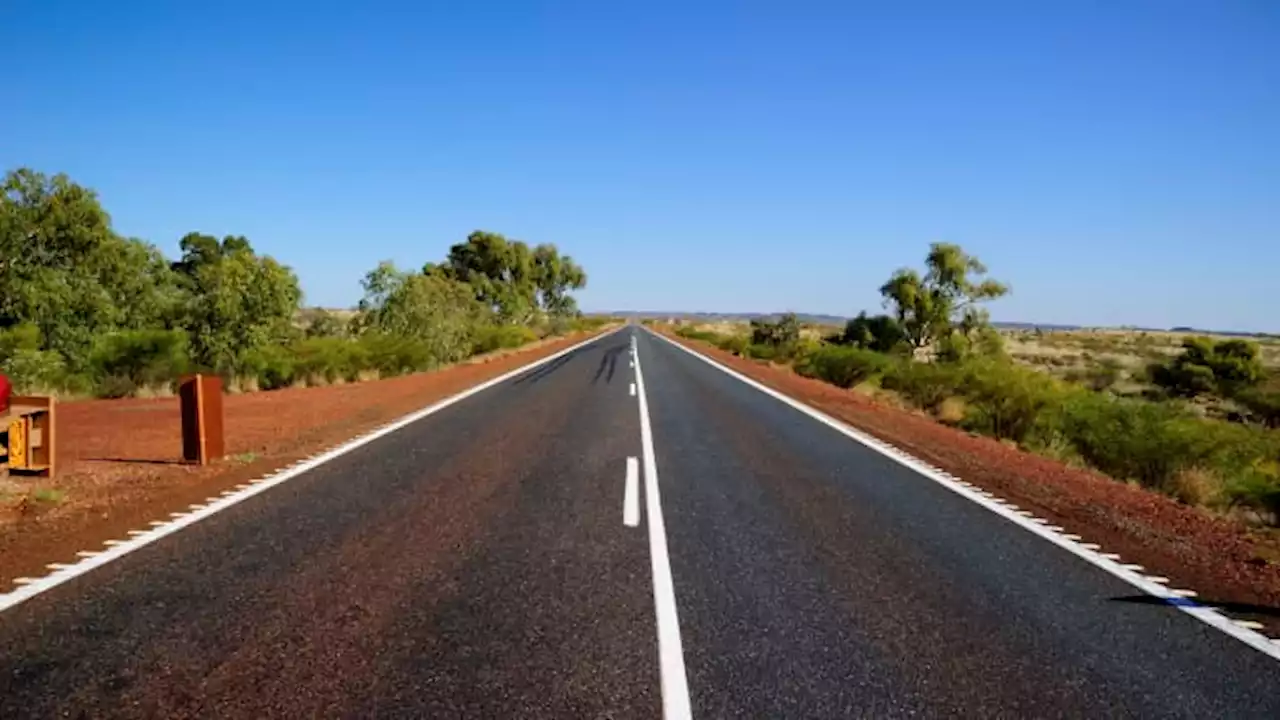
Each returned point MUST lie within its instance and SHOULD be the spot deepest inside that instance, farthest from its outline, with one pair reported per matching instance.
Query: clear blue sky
(1116, 162)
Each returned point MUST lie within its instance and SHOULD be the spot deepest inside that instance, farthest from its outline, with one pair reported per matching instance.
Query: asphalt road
(476, 564)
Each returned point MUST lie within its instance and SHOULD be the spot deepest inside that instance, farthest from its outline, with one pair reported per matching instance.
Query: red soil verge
(1222, 559)
(119, 461)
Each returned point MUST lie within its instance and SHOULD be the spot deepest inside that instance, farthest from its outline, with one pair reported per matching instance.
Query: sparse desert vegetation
(1188, 415)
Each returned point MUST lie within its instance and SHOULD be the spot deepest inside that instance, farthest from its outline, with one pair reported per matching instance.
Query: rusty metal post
(201, 405)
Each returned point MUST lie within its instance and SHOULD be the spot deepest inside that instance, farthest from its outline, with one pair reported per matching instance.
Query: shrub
(496, 337)
(880, 333)
(1263, 406)
(41, 372)
(125, 362)
(1009, 402)
(1134, 439)
(759, 351)
(328, 360)
(925, 385)
(1258, 490)
(736, 344)
(392, 355)
(326, 324)
(842, 366)
(1226, 366)
(780, 333)
(270, 367)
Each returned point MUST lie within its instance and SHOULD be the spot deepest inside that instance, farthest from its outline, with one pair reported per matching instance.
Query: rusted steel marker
(201, 406)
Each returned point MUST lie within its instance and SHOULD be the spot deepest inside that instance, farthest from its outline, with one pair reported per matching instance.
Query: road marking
(675, 685)
(633, 389)
(92, 560)
(1088, 552)
(631, 495)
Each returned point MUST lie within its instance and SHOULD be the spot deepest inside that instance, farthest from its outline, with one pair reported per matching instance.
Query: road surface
(482, 562)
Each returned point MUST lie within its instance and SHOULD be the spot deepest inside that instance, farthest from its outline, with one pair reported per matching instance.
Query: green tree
(513, 280)
(499, 271)
(944, 300)
(555, 275)
(54, 239)
(239, 301)
(441, 313)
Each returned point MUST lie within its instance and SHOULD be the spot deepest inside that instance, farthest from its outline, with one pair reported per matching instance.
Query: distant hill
(815, 318)
(823, 319)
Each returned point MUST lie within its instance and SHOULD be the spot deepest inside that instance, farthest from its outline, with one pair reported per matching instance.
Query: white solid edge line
(94, 560)
(1204, 613)
(631, 494)
(675, 684)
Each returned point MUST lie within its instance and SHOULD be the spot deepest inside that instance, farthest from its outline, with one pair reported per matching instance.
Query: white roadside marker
(631, 494)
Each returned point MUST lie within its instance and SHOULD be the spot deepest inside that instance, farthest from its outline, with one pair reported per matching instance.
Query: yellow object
(18, 443)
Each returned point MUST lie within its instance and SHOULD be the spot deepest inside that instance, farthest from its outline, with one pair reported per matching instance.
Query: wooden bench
(28, 427)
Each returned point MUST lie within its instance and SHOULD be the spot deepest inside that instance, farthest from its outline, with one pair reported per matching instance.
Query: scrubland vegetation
(1194, 417)
(85, 311)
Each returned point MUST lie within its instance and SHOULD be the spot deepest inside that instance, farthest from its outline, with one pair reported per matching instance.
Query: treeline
(935, 350)
(86, 311)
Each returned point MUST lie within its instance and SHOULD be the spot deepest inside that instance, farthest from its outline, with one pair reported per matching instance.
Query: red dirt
(119, 461)
(1222, 559)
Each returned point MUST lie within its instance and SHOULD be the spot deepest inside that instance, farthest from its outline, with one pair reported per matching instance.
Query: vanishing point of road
(623, 531)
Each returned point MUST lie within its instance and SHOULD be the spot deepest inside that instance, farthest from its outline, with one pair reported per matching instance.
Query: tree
(239, 301)
(500, 272)
(440, 312)
(944, 300)
(516, 282)
(880, 333)
(55, 240)
(555, 275)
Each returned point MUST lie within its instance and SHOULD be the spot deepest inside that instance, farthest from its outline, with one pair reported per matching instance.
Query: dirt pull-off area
(1225, 561)
(120, 461)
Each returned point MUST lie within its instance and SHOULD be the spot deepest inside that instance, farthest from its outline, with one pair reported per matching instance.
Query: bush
(1263, 406)
(1139, 440)
(392, 355)
(1099, 378)
(41, 372)
(1258, 490)
(880, 333)
(780, 333)
(1225, 366)
(736, 344)
(842, 366)
(125, 362)
(1009, 402)
(328, 360)
(925, 385)
(271, 367)
(496, 337)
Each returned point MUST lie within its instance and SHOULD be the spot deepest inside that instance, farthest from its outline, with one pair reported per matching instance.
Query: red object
(6, 390)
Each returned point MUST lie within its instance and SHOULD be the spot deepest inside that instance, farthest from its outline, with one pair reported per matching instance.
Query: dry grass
(1071, 353)
(951, 411)
(1196, 486)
